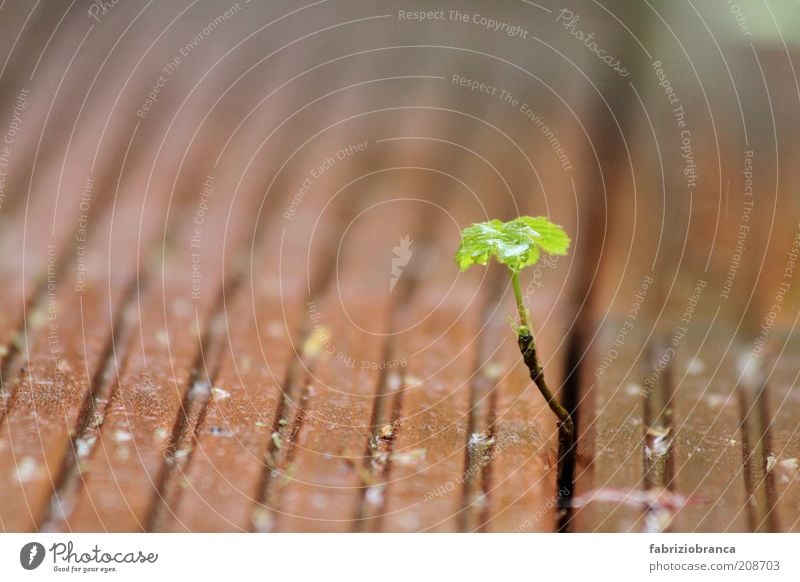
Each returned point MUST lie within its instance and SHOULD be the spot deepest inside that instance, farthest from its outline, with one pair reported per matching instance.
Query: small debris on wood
(262, 520)
(394, 382)
(220, 394)
(411, 457)
(790, 464)
(274, 328)
(696, 367)
(27, 469)
(493, 370)
(374, 494)
(182, 453)
(84, 446)
(657, 441)
(200, 390)
(315, 344)
(479, 446)
(97, 419)
(634, 390)
(412, 381)
(771, 462)
(120, 436)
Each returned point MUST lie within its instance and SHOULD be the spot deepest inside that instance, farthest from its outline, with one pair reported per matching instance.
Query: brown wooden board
(330, 465)
(217, 485)
(607, 488)
(68, 355)
(706, 433)
(781, 413)
(144, 415)
(437, 335)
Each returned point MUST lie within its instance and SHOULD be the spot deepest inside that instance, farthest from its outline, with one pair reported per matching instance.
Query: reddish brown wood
(706, 436)
(437, 337)
(222, 412)
(217, 489)
(427, 467)
(781, 406)
(329, 465)
(128, 463)
(617, 429)
(55, 388)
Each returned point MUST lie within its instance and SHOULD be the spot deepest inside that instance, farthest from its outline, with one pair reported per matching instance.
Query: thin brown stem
(566, 428)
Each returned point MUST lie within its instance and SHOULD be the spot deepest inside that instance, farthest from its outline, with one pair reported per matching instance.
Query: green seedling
(518, 244)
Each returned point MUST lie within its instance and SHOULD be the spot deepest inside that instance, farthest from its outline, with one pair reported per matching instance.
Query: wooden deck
(199, 328)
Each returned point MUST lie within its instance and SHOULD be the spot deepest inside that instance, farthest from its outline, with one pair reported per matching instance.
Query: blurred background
(229, 299)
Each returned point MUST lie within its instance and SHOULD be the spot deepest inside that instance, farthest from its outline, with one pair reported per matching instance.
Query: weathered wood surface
(198, 325)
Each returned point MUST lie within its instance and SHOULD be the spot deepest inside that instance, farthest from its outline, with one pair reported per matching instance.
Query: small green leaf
(553, 239)
(517, 243)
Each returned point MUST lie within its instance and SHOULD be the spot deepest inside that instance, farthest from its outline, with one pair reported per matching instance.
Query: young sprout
(518, 244)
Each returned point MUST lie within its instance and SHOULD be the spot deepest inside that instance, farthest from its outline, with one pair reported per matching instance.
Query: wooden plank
(483, 392)
(233, 501)
(70, 291)
(616, 323)
(781, 464)
(325, 478)
(154, 381)
(437, 338)
(669, 425)
(69, 347)
(36, 240)
(275, 323)
(607, 488)
(423, 490)
(706, 433)
(219, 483)
(145, 411)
